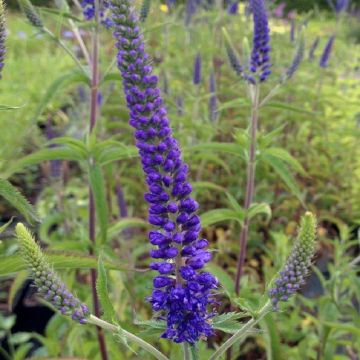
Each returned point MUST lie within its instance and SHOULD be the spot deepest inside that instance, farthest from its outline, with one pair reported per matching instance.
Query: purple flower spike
(197, 70)
(313, 48)
(182, 299)
(2, 36)
(88, 7)
(48, 283)
(213, 112)
(324, 59)
(293, 274)
(260, 59)
(233, 8)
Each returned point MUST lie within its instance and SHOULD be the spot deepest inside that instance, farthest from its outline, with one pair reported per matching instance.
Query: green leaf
(283, 106)
(43, 155)
(77, 145)
(98, 189)
(256, 209)
(285, 156)
(9, 107)
(214, 216)
(117, 153)
(283, 171)
(60, 13)
(69, 78)
(18, 201)
(154, 324)
(273, 345)
(123, 224)
(230, 148)
(5, 226)
(102, 291)
(224, 278)
(18, 282)
(11, 264)
(228, 322)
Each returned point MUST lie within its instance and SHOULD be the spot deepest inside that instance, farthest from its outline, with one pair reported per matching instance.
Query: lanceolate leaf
(214, 216)
(230, 148)
(102, 291)
(285, 156)
(123, 224)
(43, 155)
(17, 200)
(98, 189)
(69, 78)
(256, 209)
(14, 263)
(283, 171)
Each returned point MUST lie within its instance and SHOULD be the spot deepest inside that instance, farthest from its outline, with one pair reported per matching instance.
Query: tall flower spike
(324, 59)
(181, 292)
(298, 57)
(31, 13)
(260, 58)
(293, 274)
(341, 5)
(313, 48)
(48, 283)
(213, 112)
(197, 70)
(2, 36)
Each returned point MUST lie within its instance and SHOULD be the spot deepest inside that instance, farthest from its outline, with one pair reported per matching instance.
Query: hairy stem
(241, 333)
(129, 336)
(186, 351)
(92, 213)
(250, 186)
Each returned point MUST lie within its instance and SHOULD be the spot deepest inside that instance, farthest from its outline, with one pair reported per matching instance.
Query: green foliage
(17, 200)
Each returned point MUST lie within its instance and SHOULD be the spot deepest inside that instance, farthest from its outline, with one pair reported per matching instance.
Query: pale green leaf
(18, 201)
(218, 215)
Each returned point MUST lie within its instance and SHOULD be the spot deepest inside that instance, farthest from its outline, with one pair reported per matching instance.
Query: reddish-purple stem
(92, 213)
(250, 187)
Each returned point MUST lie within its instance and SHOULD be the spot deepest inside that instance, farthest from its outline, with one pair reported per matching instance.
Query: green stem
(186, 351)
(241, 333)
(113, 328)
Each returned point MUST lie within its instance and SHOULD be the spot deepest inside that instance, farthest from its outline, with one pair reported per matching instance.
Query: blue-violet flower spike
(197, 70)
(313, 48)
(260, 58)
(48, 283)
(2, 36)
(324, 59)
(181, 292)
(292, 276)
(213, 111)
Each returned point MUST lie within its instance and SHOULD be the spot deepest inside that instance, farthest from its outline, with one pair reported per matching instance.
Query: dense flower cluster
(197, 70)
(31, 13)
(49, 285)
(325, 57)
(298, 57)
(341, 5)
(313, 48)
(213, 111)
(233, 8)
(260, 59)
(2, 36)
(293, 274)
(181, 292)
(89, 11)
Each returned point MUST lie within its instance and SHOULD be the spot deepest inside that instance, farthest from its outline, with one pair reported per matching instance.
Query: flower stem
(241, 333)
(113, 328)
(92, 212)
(186, 351)
(250, 186)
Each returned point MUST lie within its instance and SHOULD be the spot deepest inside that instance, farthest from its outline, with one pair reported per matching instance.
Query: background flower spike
(292, 276)
(48, 283)
(2, 36)
(31, 13)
